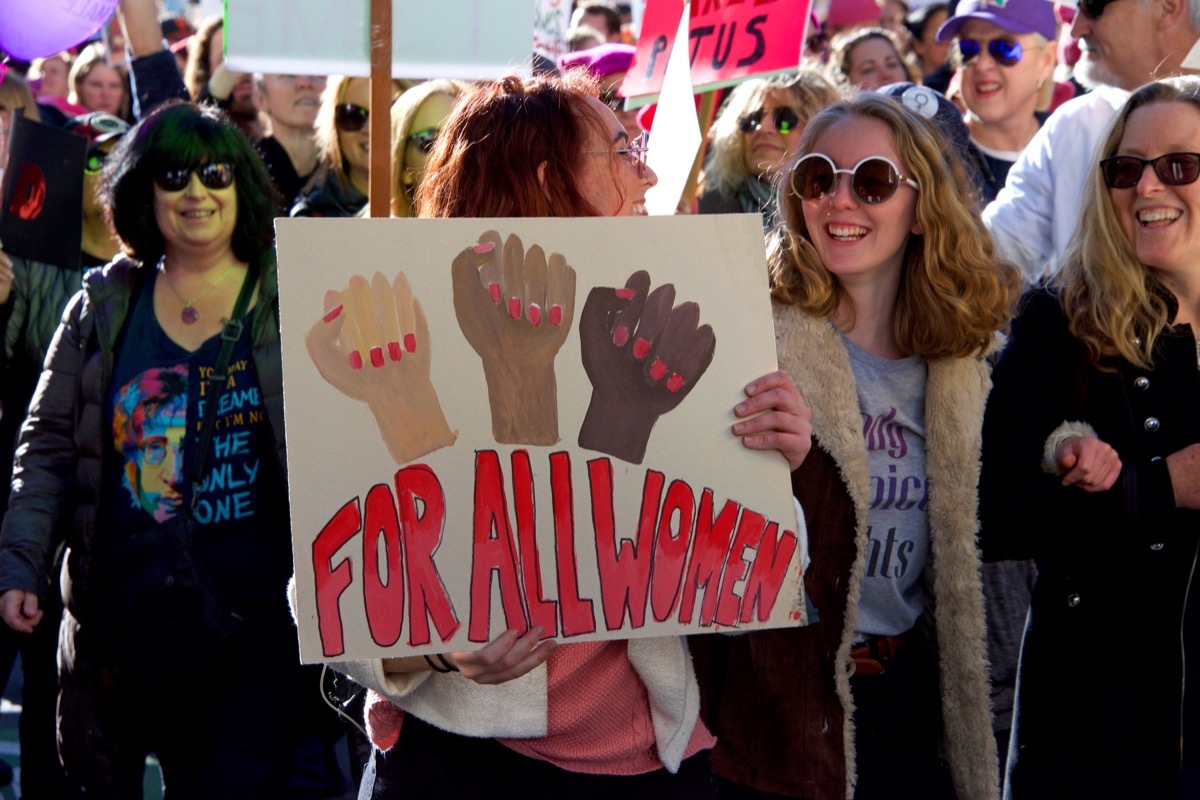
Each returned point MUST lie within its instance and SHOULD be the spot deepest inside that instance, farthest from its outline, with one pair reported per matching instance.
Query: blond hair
(325, 127)
(15, 94)
(954, 294)
(1114, 304)
(807, 91)
(404, 111)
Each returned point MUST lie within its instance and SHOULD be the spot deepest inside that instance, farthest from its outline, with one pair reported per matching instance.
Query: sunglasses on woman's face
(94, 163)
(212, 176)
(424, 140)
(350, 117)
(613, 99)
(1005, 52)
(785, 120)
(873, 180)
(1173, 169)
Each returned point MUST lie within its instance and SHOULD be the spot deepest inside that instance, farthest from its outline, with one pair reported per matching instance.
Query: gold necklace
(190, 315)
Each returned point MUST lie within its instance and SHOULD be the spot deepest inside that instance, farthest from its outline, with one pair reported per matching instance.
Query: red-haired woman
(523, 717)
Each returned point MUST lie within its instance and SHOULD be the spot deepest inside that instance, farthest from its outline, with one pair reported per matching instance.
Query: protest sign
(41, 217)
(551, 19)
(466, 39)
(728, 41)
(503, 423)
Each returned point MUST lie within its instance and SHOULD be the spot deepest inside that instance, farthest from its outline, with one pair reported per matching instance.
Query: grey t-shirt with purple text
(891, 399)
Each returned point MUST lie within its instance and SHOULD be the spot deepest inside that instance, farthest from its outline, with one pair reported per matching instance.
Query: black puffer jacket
(57, 470)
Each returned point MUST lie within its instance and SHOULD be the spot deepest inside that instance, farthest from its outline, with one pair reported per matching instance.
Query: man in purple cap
(1124, 44)
(1004, 57)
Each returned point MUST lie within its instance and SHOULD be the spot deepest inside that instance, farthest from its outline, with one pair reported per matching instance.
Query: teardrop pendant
(189, 315)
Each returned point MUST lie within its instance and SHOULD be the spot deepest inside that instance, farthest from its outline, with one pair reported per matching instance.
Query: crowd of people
(985, 285)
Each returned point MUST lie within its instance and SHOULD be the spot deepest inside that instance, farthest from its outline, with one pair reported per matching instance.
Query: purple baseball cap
(1014, 16)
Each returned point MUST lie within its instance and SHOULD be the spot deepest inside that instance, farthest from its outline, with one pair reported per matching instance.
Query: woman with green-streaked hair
(176, 639)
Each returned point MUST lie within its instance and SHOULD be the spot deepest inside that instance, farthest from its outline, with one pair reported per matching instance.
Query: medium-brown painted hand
(643, 355)
(515, 307)
(373, 345)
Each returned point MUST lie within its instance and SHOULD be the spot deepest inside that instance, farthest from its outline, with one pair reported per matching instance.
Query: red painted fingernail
(556, 314)
(514, 308)
(658, 369)
(486, 247)
(394, 351)
(534, 313)
(626, 294)
(3, 69)
(494, 291)
(355, 359)
(410, 342)
(331, 314)
(376, 356)
(620, 335)
(640, 348)
(675, 383)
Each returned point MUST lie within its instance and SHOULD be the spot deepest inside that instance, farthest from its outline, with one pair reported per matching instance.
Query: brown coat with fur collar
(780, 701)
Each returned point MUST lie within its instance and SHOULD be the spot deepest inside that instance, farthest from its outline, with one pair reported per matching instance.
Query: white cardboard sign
(503, 423)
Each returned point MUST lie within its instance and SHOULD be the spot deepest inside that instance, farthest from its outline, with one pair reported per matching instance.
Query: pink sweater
(598, 720)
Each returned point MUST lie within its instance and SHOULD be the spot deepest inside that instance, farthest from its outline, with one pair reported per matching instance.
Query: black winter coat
(1100, 688)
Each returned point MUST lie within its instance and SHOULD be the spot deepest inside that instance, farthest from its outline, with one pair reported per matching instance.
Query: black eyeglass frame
(1093, 9)
(98, 156)
(1110, 165)
(215, 175)
(424, 140)
(782, 117)
(350, 117)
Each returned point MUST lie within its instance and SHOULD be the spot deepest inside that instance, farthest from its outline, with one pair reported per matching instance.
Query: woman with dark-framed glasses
(754, 136)
(1091, 465)
(887, 296)
(339, 187)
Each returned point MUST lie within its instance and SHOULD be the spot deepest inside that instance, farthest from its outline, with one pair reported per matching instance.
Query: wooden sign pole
(380, 201)
(706, 113)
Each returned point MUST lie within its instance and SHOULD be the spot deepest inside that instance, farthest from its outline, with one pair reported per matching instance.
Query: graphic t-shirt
(156, 404)
(891, 399)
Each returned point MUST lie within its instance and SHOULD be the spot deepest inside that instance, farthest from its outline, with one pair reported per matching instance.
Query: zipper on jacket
(1183, 654)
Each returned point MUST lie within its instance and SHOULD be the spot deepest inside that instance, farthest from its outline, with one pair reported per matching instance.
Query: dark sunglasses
(1173, 169)
(424, 140)
(350, 117)
(1092, 9)
(1006, 52)
(94, 163)
(613, 99)
(212, 176)
(785, 120)
(873, 180)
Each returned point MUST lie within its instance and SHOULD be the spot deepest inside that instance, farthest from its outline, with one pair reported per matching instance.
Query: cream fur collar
(811, 351)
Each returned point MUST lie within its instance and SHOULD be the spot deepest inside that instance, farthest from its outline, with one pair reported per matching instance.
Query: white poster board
(456, 470)
(466, 39)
